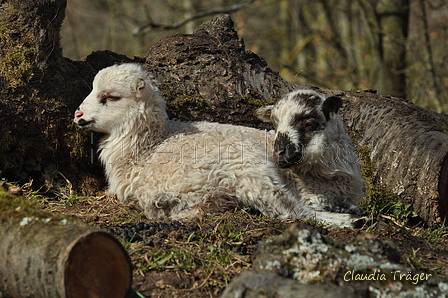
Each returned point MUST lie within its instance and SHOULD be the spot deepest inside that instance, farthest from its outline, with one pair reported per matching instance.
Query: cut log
(409, 146)
(42, 255)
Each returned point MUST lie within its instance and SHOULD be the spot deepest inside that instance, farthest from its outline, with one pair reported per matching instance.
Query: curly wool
(174, 169)
(329, 175)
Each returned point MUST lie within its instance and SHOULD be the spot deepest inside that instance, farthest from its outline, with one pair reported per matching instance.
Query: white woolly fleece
(172, 168)
(330, 175)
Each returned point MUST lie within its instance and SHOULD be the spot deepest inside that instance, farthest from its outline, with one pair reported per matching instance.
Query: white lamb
(316, 155)
(178, 170)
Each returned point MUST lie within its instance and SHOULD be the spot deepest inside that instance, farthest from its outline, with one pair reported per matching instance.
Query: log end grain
(97, 266)
(443, 189)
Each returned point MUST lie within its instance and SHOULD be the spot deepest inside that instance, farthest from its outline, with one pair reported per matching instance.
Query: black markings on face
(311, 122)
(302, 117)
(286, 154)
(310, 125)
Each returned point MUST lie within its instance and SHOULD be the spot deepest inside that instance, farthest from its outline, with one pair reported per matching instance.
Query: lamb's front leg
(344, 207)
(342, 220)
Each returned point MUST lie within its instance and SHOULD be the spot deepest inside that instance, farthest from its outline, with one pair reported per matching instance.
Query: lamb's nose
(78, 116)
(280, 152)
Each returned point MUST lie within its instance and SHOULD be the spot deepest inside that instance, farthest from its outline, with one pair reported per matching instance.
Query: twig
(69, 184)
(201, 285)
(394, 221)
(223, 10)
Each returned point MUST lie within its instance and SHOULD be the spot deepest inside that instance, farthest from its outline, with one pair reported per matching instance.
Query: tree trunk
(208, 75)
(393, 19)
(409, 146)
(46, 256)
(39, 90)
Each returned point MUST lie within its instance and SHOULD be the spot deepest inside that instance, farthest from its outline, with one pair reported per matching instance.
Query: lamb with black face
(313, 151)
(300, 119)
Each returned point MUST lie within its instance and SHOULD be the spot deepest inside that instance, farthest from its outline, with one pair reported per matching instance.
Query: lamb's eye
(113, 98)
(309, 125)
(104, 99)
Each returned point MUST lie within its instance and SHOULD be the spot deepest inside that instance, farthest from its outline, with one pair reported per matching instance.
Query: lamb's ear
(264, 113)
(138, 86)
(331, 106)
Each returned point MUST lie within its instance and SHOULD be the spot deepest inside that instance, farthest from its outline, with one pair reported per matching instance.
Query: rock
(15, 190)
(253, 284)
(303, 262)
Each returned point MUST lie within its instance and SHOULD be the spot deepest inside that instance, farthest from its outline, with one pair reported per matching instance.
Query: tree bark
(409, 146)
(209, 75)
(39, 90)
(42, 255)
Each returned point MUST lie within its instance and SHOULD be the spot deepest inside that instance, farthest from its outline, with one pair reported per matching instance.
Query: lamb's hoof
(360, 222)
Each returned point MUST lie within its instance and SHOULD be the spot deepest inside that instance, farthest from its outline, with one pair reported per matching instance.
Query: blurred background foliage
(399, 47)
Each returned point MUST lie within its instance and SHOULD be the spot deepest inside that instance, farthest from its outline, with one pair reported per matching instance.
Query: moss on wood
(257, 102)
(178, 97)
(15, 208)
(377, 196)
(19, 48)
(436, 125)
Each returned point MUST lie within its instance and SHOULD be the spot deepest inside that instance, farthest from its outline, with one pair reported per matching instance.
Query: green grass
(153, 261)
(436, 235)
(416, 263)
(226, 235)
(313, 221)
(379, 199)
(186, 258)
(73, 199)
(211, 252)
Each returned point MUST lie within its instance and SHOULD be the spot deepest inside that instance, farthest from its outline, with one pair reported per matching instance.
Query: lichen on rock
(366, 267)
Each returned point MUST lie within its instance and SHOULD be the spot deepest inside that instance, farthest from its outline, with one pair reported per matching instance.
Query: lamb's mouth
(85, 124)
(290, 161)
(283, 164)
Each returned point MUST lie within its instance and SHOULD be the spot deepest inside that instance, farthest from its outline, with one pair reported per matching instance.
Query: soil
(198, 259)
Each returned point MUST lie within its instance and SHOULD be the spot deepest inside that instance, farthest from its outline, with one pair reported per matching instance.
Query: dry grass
(199, 258)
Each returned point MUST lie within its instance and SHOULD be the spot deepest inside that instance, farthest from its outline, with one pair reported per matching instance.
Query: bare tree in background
(388, 45)
(395, 46)
(361, 40)
(432, 53)
(392, 18)
(191, 14)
